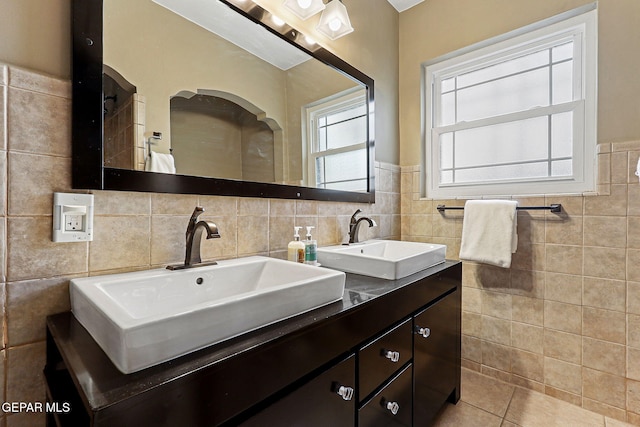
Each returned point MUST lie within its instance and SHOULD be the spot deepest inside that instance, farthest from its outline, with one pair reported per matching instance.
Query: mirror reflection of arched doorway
(214, 134)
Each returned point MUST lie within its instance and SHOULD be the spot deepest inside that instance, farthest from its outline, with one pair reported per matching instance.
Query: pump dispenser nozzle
(295, 250)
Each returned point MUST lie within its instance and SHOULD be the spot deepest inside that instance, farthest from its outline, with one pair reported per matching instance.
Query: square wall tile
(120, 242)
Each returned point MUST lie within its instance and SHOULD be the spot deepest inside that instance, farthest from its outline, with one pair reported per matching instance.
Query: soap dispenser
(296, 248)
(310, 248)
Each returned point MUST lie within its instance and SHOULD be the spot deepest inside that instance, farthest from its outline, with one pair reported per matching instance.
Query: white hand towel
(159, 162)
(489, 232)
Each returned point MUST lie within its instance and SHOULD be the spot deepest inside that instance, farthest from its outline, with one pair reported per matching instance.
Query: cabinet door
(436, 357)
(391, 406)
(326, 400)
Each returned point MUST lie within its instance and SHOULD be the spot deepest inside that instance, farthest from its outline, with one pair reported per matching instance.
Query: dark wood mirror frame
(88, 170)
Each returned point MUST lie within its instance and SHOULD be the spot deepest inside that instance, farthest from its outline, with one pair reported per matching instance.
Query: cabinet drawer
(324, 401)
(392, 405)
(383, 357)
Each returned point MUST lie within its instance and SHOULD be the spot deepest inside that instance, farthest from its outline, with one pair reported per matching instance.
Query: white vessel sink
(386, 259)
(144, 318)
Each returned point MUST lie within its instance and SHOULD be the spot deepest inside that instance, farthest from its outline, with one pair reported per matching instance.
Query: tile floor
(487, 402)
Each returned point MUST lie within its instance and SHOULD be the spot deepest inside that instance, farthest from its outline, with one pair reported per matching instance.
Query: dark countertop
(101, 384)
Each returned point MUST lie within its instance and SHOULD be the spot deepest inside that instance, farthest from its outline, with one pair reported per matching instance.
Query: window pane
(506, 172)
(446, 150)
(357, 185)
(322, 139)
(341, 167)
(562, 82)
(356, 111)
(561, 168)
(562, 52)
(446, 177)
(347, 133)
(562, 135)
(506, 68)
(498, 97)
(448, 109)
(448, 85)
(520, 141)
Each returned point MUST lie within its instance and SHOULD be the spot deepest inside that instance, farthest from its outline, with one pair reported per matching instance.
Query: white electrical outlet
(72, 217)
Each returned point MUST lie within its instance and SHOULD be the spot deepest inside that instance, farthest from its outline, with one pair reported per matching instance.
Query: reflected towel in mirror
(489, 232)
(159, 162)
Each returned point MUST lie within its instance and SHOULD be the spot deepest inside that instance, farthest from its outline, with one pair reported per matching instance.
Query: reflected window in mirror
(336, 142)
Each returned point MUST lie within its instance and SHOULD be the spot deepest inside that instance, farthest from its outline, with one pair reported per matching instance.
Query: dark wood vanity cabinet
(387, 355)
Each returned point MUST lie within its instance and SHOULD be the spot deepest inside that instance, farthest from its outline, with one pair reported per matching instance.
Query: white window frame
(579, 25)
(342, 101)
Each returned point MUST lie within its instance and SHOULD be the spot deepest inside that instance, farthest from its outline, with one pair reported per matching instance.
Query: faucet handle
(353, 217)
(194, 218)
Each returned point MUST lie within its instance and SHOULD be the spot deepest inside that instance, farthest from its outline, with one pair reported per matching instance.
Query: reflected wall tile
(32, 255)
(28, 305)
(619, 171)
(565, 229)
(634, 200)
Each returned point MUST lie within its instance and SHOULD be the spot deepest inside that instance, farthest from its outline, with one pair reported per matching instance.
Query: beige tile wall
(565, 318)
(132, 230)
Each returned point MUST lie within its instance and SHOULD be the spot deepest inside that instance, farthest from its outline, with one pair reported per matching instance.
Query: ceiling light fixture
(334, 21)
(304, 8)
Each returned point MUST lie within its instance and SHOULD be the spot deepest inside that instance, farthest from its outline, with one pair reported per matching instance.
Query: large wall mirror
(215, 97)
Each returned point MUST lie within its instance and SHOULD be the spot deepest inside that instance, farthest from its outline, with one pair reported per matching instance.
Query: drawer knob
(394, 356)
(345, 392)
(392, 407)
(425, 332)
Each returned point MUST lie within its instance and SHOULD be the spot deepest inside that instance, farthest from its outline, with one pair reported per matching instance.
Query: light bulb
(277, 20)
(335, 24)
(304, 3)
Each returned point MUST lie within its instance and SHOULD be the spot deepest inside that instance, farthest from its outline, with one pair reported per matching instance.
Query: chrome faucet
(354, 226)
(194, 236)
